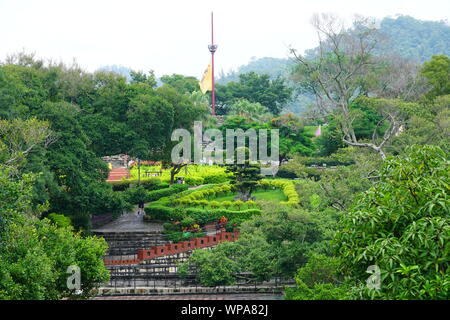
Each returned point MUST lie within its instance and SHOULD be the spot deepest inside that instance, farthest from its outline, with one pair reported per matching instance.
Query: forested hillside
(416, 39)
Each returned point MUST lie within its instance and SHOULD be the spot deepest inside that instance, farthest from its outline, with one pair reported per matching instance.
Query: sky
(171, 36)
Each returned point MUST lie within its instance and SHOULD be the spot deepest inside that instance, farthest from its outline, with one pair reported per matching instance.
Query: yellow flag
(206, 83)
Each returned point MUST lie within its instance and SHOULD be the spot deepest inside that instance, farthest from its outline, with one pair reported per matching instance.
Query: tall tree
(437, 72)
(337, 74)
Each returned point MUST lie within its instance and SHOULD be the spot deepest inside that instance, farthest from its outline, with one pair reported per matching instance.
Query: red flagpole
(212, 49)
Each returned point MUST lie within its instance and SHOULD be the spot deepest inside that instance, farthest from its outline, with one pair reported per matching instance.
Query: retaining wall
(174, 248)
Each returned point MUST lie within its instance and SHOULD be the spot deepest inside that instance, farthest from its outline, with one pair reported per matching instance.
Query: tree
(426, 123)
(273, 94)
(19, 137)
(185, 113)
(151, 118)
(437, 72)
(183, 85)
(141, 77)
(319, 280)
(402, 226)
(245, 175)
(252, 111)
(35, 254)
(211, 269)
(337, 73)
(293, 139)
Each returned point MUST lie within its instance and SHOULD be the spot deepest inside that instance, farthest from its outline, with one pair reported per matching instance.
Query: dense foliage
(35, 254)
(401, 225)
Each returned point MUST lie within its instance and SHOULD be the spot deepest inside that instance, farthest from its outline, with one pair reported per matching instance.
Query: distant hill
(416, 39)
(123, 71)
(408, 37)
(274, 67)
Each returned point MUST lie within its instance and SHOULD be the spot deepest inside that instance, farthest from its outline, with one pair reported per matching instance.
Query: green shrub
(194, 181)
(162, 213)
(216, 178)
(203, 216)
(60, 220)
(135, 194)
(153, 184)
(120, 185)
(187, 222)
(170, 226)
(286, 173)
(157, 194)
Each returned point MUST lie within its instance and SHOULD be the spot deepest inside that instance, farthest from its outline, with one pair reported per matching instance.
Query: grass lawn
(270, 195)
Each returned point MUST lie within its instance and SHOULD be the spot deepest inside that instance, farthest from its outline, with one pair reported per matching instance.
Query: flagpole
(212, 48)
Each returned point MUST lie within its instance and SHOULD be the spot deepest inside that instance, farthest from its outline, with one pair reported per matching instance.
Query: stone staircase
(117, 173)
(127, 243)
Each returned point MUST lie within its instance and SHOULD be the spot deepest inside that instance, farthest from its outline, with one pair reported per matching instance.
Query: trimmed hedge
(163, 213)
(157, 194)
(198, 197)
(147, 183)
(120, 185)
(288, 188)
(202, 216)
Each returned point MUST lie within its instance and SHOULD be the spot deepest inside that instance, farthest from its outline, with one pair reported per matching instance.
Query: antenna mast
(212, 48)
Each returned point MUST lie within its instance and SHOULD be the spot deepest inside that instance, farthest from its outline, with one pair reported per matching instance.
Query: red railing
(174, 248)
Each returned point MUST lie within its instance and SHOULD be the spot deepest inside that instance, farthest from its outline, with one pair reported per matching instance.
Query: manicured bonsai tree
(245, 176)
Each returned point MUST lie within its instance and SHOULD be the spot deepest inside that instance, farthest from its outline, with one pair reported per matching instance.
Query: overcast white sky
(172, 36)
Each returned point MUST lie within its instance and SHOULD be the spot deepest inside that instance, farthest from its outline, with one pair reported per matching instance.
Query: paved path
(130, 222)
(195, 187)
(248, 296)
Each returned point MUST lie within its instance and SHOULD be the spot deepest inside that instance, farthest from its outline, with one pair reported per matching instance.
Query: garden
(186, 213)
(208, 196)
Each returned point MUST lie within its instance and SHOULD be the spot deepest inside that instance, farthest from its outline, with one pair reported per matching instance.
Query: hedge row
(211, 178)
(288, 188)
(157, 194)
(205, 193)
(149, 184)
(202, 216)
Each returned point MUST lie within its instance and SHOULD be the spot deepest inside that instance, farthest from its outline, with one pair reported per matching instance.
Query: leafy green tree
(184, 114)
(319, 279)
(35, 254)
(20, 137)
(437, 72)
(210, 268)
(293, 139)
(401, 225)
(252, 111)
(339, 71)
(141, 77)
(426, 123)
(273, 94)
(245, 175)
(183, 84)
(152, 119)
